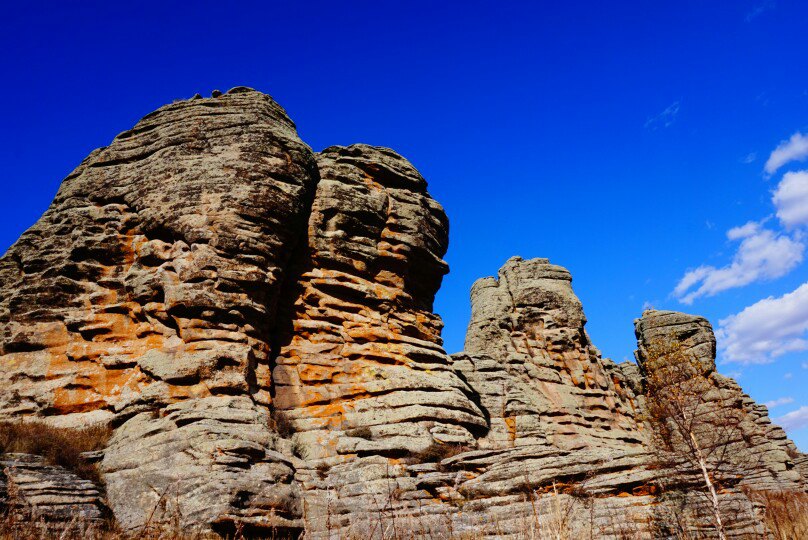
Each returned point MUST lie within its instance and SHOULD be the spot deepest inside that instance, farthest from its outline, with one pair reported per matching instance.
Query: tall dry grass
(59, 446)
(785, 514)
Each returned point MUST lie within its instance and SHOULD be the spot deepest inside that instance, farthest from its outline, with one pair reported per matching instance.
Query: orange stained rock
(315, 374)
(330, 415)
(645, 489)
(510, 424)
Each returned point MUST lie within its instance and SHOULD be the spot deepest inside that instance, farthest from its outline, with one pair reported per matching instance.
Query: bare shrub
(692, 421)
(280, 422)
(437, 452)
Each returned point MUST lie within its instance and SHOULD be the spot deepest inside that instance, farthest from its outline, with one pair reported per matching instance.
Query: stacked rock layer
(254, 320)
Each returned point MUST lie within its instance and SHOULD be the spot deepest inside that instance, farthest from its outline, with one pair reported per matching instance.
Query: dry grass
(59, 446)
(280, 422)
(786, 513)
(437, 452)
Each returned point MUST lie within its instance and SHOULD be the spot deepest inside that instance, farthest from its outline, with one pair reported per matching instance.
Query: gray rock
(255, 321)
(34, 491)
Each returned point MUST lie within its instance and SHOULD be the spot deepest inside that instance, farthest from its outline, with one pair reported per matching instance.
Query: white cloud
(758, 10)
(750, 157)
(665, 118)
(794, 149)
(794, 420)
(788, 376)
(763, 254)
(767, 329)
(748, 229)
(791, 199)
(778, 402)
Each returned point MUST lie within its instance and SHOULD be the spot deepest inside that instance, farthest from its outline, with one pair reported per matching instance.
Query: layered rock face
(31, 491)
(145, 296)
(547, 383)
(766, 458)
(360, 367)
(255, 322)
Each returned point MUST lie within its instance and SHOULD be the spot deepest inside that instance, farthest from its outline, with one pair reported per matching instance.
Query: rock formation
(34, 491)
(145, 296)
(255, 322)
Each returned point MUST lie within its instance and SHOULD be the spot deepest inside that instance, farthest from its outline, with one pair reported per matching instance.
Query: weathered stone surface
(202, 461)
(765, 456)
(360, 367)
(169, 244)
(255, 322)
(146, 296)
(530, 359)
(34, 491)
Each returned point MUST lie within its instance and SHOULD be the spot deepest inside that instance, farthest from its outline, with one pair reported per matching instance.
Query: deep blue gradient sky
(620, 139)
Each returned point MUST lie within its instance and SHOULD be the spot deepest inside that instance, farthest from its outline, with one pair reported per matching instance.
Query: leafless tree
(693, 422)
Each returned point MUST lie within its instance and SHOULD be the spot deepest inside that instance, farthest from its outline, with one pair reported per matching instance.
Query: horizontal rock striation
(152, 281)
(529, 356)
(32, 491)
(360, 368)
(254, 321)
(765, 457)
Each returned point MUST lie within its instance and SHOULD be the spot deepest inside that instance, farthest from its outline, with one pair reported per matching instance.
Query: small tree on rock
(693, 422)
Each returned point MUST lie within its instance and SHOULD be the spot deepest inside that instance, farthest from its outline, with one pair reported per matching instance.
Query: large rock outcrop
(254, 321)
(33, 492)
(760, 450)
(360, 367)
(145, 297)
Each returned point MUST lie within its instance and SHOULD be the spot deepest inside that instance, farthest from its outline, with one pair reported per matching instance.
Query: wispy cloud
(791, 199)
(664, 119)
(766, 330)
(763, 254)
(760, 9)
(779, 402)
(794, 420)
(749, 158)
(793, 149)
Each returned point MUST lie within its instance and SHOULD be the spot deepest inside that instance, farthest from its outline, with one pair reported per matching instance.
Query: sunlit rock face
(360, 367)
(154, 274)
(254, 321)
(767, 458)
(145, 296)
(551, 387)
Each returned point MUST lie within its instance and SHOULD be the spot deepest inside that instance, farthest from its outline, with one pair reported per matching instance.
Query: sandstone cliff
(254, 320)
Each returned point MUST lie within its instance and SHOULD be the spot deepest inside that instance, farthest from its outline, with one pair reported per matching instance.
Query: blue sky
(621, 140)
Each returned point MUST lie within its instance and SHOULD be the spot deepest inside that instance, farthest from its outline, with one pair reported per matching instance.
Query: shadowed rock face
(31, 490)
(255, 322)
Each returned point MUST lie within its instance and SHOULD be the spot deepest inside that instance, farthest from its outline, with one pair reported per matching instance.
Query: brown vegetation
(280, 422)
(59, 446)
(785, 514)
(437, 452)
